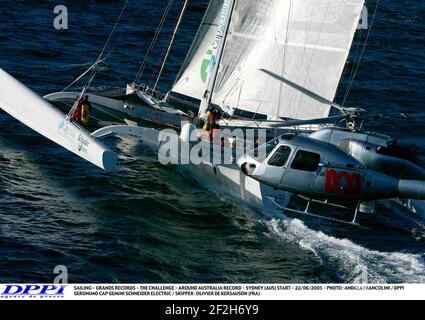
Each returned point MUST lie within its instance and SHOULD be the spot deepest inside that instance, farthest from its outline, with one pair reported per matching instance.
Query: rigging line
(110, 50)
(96, 65)
(276, 60)
(265, 83)
(285, 55)
(127, 23)
(120, 37)
(113, 29)
(287, 36)
(179, 20)
(235, 87)
(239, 100)
(153, 43)
(104, 48)
(151, 46)
(83, 74)
(95, 70)
(351, 72)
(312, 56)
(161, 58)
(362, 52)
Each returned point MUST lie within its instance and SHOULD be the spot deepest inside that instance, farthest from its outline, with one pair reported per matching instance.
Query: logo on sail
(207, 65)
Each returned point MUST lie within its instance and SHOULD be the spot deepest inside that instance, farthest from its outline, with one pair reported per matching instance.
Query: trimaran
(268, 64)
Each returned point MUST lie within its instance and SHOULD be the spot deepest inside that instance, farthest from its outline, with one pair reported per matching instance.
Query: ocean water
(147, 223)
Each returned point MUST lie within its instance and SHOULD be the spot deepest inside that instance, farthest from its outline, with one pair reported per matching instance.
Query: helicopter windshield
(262, 152)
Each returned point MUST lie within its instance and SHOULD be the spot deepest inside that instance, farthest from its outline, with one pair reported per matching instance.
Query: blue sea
(147, 223)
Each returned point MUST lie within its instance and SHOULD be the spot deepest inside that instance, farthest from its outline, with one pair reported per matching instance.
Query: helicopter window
(306, 161)
(262, 152)
(280, 157)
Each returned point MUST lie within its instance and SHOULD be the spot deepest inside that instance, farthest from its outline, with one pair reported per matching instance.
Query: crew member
(198, 122)
(77, 112)
(207, 125)
(85, 110)
(213, 116)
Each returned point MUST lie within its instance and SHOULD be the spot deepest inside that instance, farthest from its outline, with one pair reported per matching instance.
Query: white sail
(280, 55)
(193, 78)
(27, 107)
(218, 47)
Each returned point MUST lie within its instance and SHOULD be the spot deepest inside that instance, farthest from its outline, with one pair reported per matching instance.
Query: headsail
(217, 54)
(193, 77)
(27, 107)
(304, 42)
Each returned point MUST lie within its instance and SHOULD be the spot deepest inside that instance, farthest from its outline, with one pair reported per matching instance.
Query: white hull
(232, 183)
(226, 180)
(154, 114)
(30, 109)
(103, 101)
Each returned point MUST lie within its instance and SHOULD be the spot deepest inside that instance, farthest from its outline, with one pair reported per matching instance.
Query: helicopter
(337, 165)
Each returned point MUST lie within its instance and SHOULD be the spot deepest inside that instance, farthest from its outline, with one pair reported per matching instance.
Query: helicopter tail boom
(412, 189)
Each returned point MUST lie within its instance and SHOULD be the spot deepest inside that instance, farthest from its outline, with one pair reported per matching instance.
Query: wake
(353, 263)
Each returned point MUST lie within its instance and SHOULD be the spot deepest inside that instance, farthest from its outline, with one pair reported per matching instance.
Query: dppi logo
(33, 291)
(207, 65)
(334, 184)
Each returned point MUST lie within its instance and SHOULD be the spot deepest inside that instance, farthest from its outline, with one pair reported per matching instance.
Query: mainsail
(279, 56)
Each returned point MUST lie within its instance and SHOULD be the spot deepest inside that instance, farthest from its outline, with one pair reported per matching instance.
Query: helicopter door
(276, 165)
(302, 173)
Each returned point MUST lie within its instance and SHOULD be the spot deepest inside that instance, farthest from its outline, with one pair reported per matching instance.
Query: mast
(218, 46)
(171, 43)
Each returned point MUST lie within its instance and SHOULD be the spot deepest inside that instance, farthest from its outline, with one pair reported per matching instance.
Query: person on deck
(207, 124)
(213, 116)
(77, 113)
(85, 110)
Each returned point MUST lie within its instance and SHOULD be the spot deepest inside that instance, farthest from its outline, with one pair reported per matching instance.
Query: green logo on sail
(207, 65)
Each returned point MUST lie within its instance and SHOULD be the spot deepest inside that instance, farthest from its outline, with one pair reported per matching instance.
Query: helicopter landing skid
(307, 213)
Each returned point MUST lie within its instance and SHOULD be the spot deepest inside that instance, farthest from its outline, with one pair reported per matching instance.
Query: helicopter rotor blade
(305, 91)
(386, 116)
(347, 112)
(296, 123)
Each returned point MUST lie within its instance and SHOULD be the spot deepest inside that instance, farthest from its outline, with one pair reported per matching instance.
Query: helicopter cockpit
(294, 162)
(282, 157)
